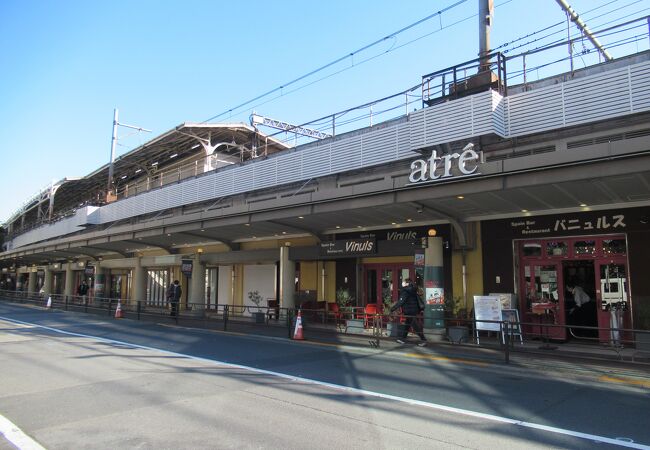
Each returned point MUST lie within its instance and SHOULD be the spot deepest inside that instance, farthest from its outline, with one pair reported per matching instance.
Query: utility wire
(358, 63)
(394, 48)
(351, 54)
(506, 44)
(541, 38)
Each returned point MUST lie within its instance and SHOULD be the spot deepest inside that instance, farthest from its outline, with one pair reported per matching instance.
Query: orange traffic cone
(297, 334)
(118, 311)
(49, 302)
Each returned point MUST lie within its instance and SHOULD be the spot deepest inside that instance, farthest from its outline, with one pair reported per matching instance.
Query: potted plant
(344, 299)
(391, 326)
(255, 297)
(457, 330)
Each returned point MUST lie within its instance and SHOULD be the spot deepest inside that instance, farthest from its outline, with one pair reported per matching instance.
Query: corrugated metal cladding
(291, 167)
(345, 155)
(498, 118)
(534, 111)
(604, 94)
(315, 162)
(597, 97)
(244, 178)
(640, 85)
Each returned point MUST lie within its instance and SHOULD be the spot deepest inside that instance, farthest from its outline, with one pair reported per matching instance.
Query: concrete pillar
(139, 282)
(47, 281)
(68, 289)
(434, 292)
(197, 284)
(31, 282)
(287, 279)
(99, 288)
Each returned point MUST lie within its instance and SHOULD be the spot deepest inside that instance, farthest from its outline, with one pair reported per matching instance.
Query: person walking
(82, 290)
(175, 298)
(408, 301)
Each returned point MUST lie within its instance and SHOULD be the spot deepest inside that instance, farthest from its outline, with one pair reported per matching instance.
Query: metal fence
(358, 327)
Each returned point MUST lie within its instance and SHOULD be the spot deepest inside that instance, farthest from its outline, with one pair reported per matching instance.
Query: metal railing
(505, 338)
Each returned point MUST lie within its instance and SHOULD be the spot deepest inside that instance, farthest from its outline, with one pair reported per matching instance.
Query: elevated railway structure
(527, 186)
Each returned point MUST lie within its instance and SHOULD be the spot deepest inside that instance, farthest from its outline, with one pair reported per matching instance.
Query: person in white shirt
(580, 297)
(584, 311)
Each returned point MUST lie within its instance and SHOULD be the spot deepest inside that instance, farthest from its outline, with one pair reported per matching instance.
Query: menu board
(487, 308)
(508, 301)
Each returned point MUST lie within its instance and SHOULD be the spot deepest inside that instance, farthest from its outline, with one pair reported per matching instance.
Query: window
(532, 249)
(614, 246)
(585, 247)
(556, 249)
(157, 283)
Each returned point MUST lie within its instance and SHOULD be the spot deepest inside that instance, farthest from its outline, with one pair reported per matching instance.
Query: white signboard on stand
(487, 308)
(508, 301)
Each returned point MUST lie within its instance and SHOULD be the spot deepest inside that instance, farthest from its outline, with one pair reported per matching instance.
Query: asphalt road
(77, 391)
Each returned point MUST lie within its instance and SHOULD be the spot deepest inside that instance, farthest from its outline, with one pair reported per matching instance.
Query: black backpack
(421, 303)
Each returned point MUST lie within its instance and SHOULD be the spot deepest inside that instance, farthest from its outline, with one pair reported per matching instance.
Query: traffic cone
(118, 311)
(297, 334)
(49, 302)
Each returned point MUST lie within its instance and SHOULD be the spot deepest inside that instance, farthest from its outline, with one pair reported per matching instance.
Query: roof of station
(182, 141)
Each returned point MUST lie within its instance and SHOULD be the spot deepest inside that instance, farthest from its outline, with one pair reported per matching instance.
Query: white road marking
(621, 442)
(16, 436)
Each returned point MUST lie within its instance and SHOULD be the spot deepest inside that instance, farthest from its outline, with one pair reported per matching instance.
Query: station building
(523, 189)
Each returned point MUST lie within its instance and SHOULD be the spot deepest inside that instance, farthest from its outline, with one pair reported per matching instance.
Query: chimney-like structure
(485, 13)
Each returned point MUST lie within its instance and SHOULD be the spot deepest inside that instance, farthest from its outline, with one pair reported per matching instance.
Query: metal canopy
(183, 140)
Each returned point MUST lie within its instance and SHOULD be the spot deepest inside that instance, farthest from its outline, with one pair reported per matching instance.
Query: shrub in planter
(255, 297)
(344, 297)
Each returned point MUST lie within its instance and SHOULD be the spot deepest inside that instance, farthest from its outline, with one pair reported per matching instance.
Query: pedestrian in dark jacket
(175, 297)
(82, 290)
(408, 301)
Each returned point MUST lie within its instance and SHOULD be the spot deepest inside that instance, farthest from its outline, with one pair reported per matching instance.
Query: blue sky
(64, 66)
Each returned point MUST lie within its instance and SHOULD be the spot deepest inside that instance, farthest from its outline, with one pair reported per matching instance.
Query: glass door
(544, 299)
(612, 299)
(58, 280)
(370, 286)
(211, 287)
(382, 282)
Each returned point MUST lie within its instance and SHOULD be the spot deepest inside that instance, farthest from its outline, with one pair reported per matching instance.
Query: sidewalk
(490, 348)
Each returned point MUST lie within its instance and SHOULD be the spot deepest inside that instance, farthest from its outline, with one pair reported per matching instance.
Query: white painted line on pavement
(621, 442)
(16, 436)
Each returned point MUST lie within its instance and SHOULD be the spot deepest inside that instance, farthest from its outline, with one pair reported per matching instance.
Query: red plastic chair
(369, 312)
(334, 309)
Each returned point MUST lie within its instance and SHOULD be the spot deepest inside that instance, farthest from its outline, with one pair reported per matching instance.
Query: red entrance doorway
(381, 282)
(557, 275)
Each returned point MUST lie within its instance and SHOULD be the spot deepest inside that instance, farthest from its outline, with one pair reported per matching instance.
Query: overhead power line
(338, 60)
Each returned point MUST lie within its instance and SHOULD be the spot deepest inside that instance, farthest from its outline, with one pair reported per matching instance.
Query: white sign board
(507, 300)
(487, 308)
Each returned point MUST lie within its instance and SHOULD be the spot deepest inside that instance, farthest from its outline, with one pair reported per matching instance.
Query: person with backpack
(411, 305)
